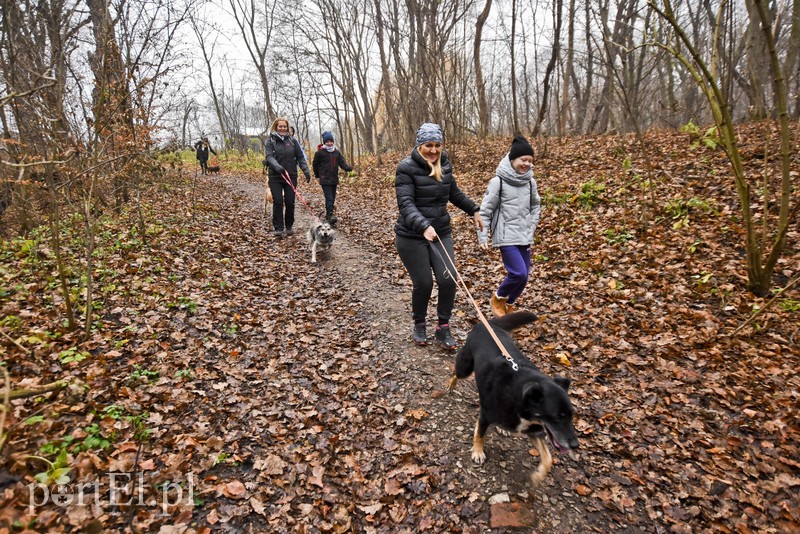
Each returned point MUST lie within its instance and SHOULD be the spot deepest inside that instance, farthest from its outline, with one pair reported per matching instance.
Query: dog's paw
(503, 432)
(451, 385)
(478, 456)
(540, 474)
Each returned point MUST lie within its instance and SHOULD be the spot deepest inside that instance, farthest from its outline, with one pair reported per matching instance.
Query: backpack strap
(530, 185)
(496, 214)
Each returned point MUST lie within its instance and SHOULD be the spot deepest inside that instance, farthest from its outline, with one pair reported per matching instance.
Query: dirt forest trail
(400, 382)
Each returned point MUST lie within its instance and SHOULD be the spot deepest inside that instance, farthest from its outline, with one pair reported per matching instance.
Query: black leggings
(420, 259)
(282, 195)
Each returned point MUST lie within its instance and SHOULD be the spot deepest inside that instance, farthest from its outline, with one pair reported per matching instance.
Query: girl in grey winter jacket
(510, 210)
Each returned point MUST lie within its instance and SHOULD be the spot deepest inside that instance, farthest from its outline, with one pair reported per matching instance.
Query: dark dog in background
(213, 169)
(525, 401)
(320, 236)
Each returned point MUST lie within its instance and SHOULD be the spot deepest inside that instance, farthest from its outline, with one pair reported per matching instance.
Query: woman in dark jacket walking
(202, 148)
(283, 155)
(424, 184)
(326, 164)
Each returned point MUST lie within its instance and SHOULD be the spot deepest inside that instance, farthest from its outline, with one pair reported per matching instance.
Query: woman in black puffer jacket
(424, 184)
(283, 154)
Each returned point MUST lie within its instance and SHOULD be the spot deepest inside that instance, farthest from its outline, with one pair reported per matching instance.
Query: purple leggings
(517, 261)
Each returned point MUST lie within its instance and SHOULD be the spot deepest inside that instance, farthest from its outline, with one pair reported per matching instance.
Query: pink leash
(288, 180)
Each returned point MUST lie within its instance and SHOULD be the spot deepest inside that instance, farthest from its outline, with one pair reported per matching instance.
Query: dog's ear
(532, 393)
(562, 382)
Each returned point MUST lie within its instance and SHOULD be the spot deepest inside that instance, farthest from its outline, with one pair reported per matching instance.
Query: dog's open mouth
(554, 441)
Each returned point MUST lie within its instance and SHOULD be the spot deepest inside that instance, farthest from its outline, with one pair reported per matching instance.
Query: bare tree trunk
(514, 111)
(247, 18)
(564, 112)
(480, 84)
(54, 219)
(88, 219)
(791, 66)
(551, 65)
(35, 40)
(612, 40)
(207, 57)
(345, 58)
(584, 95)
(529, 87)
(111, 104)
(387, 85)
(785, 193)
(757, 68)
(187, 110)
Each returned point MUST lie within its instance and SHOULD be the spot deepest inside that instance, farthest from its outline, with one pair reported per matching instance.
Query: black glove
(280, 170)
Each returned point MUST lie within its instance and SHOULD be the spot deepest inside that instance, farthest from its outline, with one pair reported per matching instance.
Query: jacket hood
(509, 175)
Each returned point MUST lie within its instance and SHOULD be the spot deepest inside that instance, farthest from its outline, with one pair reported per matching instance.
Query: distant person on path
(424, 185)
(283, 154)
(510, 211)
(202, 148)
(326, 164)
(296, 140)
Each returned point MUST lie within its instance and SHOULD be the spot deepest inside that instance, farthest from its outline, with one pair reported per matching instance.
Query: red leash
(288, 180)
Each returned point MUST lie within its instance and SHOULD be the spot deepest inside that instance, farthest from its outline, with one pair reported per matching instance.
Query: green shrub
(790, 305)
(679, 209)
(618, 237)
(590, 194)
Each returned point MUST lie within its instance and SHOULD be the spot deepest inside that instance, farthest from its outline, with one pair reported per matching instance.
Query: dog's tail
(512, 321)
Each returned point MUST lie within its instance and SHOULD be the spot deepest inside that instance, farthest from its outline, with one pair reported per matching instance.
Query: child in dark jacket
(202, 148)
(326, 164)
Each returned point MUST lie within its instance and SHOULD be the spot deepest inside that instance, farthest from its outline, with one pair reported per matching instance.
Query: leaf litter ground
(292, 394)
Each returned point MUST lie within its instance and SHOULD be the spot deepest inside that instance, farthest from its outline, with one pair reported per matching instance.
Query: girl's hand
(429, 234)
(478, 220)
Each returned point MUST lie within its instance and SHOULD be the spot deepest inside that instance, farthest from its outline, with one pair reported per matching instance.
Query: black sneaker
(278, 233)
(289, 231)
(418, 335)
(444, 337)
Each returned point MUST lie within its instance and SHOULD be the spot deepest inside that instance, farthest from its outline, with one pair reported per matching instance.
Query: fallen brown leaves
(248, 389)
(682, 424)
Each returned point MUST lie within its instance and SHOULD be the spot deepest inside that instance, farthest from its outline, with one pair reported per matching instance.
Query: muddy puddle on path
(416, 377)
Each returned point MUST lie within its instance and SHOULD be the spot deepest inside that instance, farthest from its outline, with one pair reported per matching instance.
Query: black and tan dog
(320, 236)
(525, 401)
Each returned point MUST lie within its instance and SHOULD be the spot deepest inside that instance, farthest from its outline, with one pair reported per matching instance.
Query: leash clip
(514, 364)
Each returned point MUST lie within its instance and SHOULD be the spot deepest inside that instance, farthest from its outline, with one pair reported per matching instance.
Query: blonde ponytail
(436, 169)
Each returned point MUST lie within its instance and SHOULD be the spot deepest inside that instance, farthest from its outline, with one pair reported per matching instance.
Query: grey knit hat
(429, 133)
